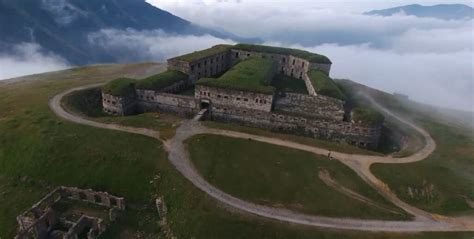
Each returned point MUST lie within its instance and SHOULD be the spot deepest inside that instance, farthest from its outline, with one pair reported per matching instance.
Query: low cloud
(428, 59)
(443, 79)
(64, 12)
(132, 45)
(28, 58)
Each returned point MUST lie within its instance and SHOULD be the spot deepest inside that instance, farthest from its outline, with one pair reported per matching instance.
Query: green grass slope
(286, 83)
(324, 85)
(282, 177)
(249, 75)
(39, 151)
(442, 182)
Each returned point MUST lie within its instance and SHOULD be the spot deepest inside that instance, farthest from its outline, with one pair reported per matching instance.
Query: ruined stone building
(59, 215)
(273, 88)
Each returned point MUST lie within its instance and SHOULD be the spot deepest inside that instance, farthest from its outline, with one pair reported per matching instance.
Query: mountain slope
(441, 11)
(63, 26)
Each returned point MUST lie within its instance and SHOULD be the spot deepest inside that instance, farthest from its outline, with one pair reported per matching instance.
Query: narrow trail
(179, 157)
(325, 176)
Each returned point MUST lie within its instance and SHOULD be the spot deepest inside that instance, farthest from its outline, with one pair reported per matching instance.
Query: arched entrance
(205, 104)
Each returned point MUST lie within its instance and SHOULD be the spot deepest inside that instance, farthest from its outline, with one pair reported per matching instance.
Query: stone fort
(278, 89)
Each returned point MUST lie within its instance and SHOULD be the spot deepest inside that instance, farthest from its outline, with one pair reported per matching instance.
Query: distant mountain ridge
(62, 26)
(440, 11)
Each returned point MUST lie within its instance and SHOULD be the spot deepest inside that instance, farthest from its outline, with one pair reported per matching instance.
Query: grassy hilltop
(39, 151)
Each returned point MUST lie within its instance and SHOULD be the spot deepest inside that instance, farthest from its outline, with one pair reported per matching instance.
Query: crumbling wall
(94, 227)
(313, 106)
(88, 195)
(41, 219)
(117, 105)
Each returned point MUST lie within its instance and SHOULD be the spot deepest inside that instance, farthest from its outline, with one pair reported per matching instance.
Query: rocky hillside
(63, 26)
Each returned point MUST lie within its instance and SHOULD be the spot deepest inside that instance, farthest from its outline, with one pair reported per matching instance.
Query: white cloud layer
(431, 60)
(444, 79)
(28, 58)
(133, 45)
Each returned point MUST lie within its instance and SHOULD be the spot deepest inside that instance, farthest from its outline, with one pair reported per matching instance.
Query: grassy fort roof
(120, 87)
(311, 57)
(217, 49)
(252, 75)
(162, 80)
(367, 116)
(324, 85)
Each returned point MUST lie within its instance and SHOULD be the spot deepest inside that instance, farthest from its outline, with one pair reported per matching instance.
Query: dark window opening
(97, 199)
(236, 55)
(294, 61)
(83, 196)
(204, 105)
(113, 202)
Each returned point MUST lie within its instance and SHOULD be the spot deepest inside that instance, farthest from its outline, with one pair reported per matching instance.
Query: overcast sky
(431, 60)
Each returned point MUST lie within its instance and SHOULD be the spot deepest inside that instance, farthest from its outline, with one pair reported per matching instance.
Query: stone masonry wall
(319, 128)
(116, 105)
(205, 67)
(313, 106)
(152, 101)
(287, 64)
(176, 87)
(88, 195)
(236, 98)
(40, 219)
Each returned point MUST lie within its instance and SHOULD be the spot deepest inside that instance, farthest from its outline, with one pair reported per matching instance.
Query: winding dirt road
(179, 157)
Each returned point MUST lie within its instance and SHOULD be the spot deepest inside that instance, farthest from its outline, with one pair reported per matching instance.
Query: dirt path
(330, 182)
(179, 157)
